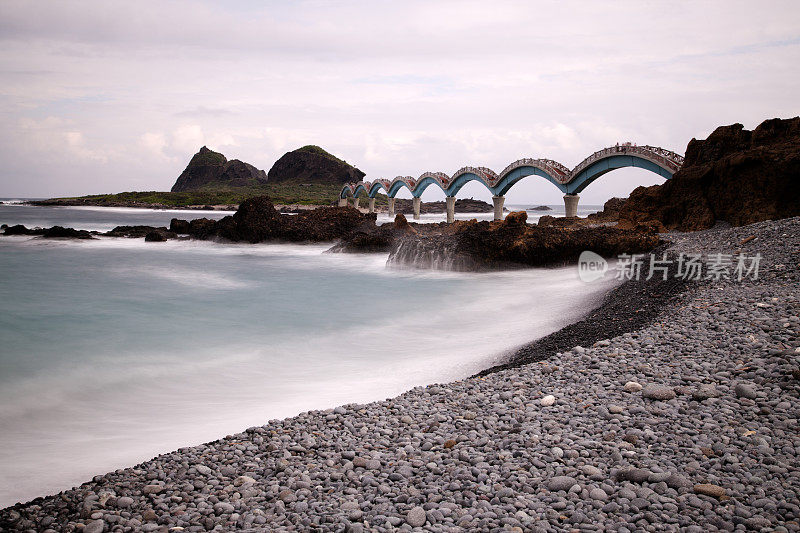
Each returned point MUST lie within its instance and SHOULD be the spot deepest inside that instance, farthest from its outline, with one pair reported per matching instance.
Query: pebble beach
(688, 423)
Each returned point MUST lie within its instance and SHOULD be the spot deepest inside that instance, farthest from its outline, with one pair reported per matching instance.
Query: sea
(115, 350)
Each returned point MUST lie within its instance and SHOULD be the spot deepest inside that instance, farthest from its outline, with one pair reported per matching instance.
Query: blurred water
(115, 350)
(96, 218)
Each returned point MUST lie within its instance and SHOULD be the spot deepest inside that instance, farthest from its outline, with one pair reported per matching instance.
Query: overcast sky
(113, 96)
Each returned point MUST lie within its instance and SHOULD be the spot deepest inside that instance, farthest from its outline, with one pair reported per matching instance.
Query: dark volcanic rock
(256, 220)
(485, 246)
(323, 224)
(203, 228)
(177, 225)
(368, 237)
(735, 175)
(18, 229)
(212, 168)
(138, 231)
(56, 232)
(610, 212)
(541, 208)
(516, 218)
(312, 164)
(155, 236)
(463, 205)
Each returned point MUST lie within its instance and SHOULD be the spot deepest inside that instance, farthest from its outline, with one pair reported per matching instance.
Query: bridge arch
(360, 187)
(522, 169)
(347, 191)
(375, 188)
(652, 158)
(440, 179)
(587, 174)
(461, 179)
(400, 182)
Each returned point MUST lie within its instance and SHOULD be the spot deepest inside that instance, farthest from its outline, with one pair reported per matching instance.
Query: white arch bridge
(571, 182)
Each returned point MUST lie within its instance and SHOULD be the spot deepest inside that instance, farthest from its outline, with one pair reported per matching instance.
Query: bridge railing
(661, 156)
(665, 157)
(554, 168)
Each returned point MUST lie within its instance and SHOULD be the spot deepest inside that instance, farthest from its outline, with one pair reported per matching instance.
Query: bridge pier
(342, 202)
(498, 206)
(417, 204)
(571, 205)
(372, 205)
(391, 207)
(451, 209)
(355, 202)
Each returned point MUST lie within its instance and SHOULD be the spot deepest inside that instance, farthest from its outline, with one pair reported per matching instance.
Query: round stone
(657, 392)
(633, 386)
(598, 494)
(124, 502)
(95, 526)
(416, 517)
(561, 483)
(744, 390)
(710, 489)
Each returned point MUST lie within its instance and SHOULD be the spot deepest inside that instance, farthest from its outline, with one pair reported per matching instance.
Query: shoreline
(162, 207)
(629, 307)
(495, 424)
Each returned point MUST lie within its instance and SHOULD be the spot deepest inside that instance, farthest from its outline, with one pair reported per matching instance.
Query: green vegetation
(280, 193)
(208, 158)
(314, 149)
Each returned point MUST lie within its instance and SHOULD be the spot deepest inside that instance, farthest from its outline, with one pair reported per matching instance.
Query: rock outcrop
(735, 175)
(463, 205)
(256, 220)
(471, 245)
(369, 237)
(610, 212)
(55, 232)
(312, 164)
(209, 168)
(135, 232)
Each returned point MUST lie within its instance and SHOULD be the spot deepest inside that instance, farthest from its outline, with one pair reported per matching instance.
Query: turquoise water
(115, 350)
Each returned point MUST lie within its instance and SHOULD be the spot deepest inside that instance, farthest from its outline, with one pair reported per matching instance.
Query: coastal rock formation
(735, 175)
(209, 168)
(312, 164)
(55, 232)
(136, 232)
(471, 245)
(256, 220)
(150, 233)
(368, 237)
(463, 205)
(516, 218)
(610, 212)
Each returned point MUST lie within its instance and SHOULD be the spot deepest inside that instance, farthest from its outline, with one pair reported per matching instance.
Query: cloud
(128, 92)
(154, 142)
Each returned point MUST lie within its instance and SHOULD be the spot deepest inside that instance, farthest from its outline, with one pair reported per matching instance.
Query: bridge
(571, 182)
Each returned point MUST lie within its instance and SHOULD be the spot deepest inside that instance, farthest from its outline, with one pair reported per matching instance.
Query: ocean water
(115, 350)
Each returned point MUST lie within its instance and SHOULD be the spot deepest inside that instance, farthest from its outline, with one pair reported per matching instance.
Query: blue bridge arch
(571, 182)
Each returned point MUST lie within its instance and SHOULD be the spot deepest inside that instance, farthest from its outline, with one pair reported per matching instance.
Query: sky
(100, 97)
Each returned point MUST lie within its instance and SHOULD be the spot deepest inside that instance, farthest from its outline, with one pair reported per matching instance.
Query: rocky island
(308, 177)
